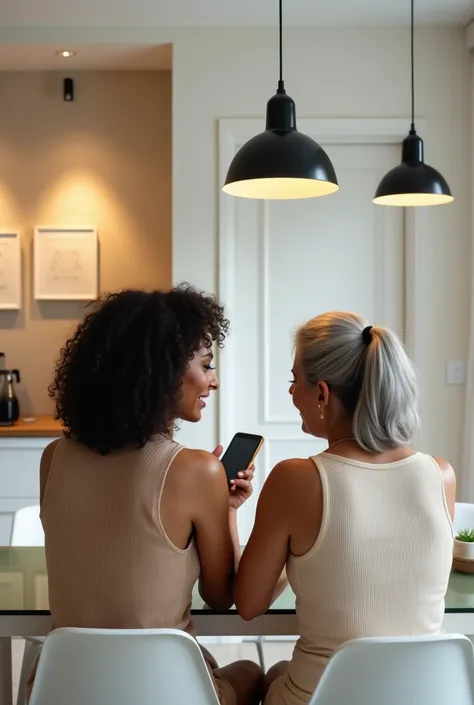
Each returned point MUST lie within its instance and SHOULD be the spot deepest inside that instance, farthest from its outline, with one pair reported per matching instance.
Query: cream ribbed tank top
(380, 565)
(110, 563)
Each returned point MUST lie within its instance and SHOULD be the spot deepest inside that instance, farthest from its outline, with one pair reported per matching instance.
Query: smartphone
(240, 454)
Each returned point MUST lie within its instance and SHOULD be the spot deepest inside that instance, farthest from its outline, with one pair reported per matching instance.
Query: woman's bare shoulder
(447, 471)
(444, 465)
(195, 476)
(299, 474)
(199, 460)
(302, 465)
(195, 470)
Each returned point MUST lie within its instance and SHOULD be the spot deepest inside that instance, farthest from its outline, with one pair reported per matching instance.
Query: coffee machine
(9, 406)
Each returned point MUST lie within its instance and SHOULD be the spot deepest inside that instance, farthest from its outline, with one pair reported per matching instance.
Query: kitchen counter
(40, 427)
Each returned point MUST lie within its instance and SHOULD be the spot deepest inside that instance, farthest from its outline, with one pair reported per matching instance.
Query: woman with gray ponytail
(369, 371)
(363, 529)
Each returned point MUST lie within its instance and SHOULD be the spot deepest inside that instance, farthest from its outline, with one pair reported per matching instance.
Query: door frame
(233, 133)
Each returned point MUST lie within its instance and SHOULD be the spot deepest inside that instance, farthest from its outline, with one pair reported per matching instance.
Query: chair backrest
(27, 529)
(121, 667)
(419, 670)
(463, 516)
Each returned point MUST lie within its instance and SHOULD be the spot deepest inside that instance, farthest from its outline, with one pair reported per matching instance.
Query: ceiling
(187, 13)
(100, 57)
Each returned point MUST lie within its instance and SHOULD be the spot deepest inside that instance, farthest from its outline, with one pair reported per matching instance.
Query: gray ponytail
(375, 382)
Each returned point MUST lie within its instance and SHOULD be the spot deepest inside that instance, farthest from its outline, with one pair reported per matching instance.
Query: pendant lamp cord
(412, 41)
(281, 85)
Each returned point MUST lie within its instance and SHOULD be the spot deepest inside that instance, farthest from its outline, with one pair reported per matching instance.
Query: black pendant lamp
(281, 163)
(413, 183)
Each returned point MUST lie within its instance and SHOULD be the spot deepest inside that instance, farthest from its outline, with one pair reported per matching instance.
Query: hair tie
(367, 335)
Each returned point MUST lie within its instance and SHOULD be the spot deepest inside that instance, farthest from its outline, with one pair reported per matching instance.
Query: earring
(322, 413)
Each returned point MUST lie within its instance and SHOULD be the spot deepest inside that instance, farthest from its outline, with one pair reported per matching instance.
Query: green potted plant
(464, 544)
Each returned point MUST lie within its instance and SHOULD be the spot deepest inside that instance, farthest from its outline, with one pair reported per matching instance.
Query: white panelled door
(283, 262)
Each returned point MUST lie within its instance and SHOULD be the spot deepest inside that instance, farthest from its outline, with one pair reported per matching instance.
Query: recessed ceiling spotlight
(65, 53)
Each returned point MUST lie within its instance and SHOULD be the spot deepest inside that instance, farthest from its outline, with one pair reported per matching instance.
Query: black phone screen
(240, 453)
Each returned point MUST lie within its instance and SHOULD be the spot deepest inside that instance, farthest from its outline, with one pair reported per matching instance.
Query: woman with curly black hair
(131, 518)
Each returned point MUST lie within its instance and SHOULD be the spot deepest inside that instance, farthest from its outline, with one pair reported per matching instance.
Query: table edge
(212, 613)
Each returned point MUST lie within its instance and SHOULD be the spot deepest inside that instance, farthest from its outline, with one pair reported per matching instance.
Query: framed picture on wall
(66, 264)
(10, 270)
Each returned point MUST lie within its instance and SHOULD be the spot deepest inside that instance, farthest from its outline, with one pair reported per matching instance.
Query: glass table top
(24, 587)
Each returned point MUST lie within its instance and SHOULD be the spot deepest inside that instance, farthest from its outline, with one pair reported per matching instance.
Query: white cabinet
(19, 478)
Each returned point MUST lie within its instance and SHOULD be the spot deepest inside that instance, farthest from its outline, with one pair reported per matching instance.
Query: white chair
(27, 530)
(122, 667)
(463, 516)
(419, 670)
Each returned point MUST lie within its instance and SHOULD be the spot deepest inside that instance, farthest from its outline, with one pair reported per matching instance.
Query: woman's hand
(241, 488)
(217, 451)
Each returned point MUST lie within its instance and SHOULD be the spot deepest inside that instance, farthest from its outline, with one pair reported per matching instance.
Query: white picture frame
(10, 270)
(66, 264)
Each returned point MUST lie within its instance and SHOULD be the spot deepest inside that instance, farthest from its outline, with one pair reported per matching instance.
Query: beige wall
(103, 160)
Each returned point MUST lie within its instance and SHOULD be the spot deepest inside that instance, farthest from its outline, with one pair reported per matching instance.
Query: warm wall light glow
(410, 200)
(76, 196)
(65, 53)
(280, 188)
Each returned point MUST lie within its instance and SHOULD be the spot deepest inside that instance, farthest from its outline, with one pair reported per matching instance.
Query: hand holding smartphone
(240, 454)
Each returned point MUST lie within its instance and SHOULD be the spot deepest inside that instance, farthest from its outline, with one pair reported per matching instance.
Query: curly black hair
(119, 377)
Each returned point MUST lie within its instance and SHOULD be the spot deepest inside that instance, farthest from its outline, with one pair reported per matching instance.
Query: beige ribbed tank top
(110, 563)
(380, 565)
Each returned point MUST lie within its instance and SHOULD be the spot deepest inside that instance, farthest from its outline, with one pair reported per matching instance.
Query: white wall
(468, 455)
(336, 73)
